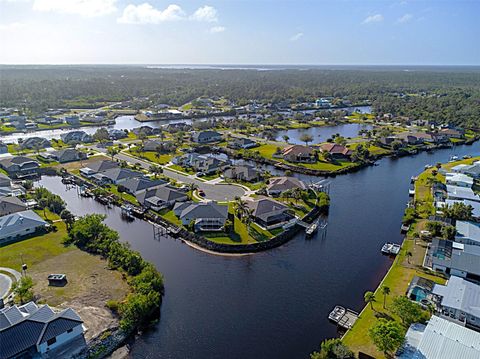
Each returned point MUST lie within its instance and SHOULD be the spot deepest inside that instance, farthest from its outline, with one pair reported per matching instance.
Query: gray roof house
(5, 181)
(68, 155)
(120, 175)
(206, 137)
(242, 173)
(137, 185)
(452, 258)
(459, 299)
(30, 330)
(98, 166)
(467, 232)
(7, 188)
(206, 216)
(10, 205)
(157, 146)
(242, 143)
(278, 185)
(17, 225)
(3, 148)
(268, 213)
(161, 197)
(76, 137)
(19, 166)
(35, 142)
(440, 339)
(201, 163)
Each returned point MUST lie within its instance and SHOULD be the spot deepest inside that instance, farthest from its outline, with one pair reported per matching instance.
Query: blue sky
(240, 32)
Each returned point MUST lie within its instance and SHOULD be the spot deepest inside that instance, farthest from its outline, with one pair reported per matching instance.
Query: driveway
(215, 192)
(6, 280)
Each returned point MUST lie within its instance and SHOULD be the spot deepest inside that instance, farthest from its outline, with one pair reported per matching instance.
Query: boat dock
(344, 318)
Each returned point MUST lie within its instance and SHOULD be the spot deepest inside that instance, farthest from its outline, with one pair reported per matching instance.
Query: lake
(273, 304)
(321, 134)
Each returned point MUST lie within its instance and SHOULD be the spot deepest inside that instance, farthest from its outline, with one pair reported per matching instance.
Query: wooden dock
(344, 318)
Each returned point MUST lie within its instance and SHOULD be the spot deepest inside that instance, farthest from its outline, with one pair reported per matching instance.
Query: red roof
(335, 148)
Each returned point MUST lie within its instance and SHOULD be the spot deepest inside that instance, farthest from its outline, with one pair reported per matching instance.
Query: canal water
(273, 304)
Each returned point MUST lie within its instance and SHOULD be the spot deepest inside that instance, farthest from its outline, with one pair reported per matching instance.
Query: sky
(322, 32)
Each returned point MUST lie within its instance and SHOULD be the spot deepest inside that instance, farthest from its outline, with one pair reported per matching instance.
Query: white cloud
(205, 13)
(405, 18)
(217, 29)
(12, 26)
(147, 14)
(89, 8)
(297, 36)
(373, 18)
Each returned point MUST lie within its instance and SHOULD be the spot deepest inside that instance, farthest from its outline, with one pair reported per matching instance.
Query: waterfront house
(137, 185)
(277, 185)
(74, 137)
(268, 213)
(452, 258)
(120, 175)
(14, 226)
(206, 137)
(472, 170)
(161, 197)
(97, 167)
(459, 299)
(205, 216)
(467, 232)
(461, 193)
(336, 151)
(67, 155)
(459, 179)
(9, 205)
(242, 173)
(440, 339)
(299, 153)
(34, 143)
(242, 143)
(452, 133)
(7, 188)
(3, 148)
(29, 331)
(146, 131)
(116, 134)
(19, 166)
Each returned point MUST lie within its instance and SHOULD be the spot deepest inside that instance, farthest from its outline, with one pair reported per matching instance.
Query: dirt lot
(90, 285)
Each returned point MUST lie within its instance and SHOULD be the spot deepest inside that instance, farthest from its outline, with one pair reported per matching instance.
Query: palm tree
(112, 151)
(296, 194)
(385, 292)
(43, 203)
(286, 138)
(369, 297)
(240, 208)
(156, 170)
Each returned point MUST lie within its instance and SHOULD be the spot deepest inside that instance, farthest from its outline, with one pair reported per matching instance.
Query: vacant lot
(90, 282)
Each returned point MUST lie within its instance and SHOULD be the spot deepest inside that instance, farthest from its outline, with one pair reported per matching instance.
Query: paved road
(216, 192)
(6, 280)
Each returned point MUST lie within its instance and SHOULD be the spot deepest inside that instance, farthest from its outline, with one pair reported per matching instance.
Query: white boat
(337, 313)
(453, 158)
(391, 248)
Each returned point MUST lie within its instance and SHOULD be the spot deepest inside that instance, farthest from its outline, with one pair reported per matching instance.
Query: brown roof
(335, 148)
(297, 150)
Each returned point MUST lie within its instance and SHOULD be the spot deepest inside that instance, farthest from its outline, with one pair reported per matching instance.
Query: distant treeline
(436, 94)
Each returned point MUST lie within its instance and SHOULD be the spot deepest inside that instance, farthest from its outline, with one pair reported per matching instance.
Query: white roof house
(467, 232)
(440, 339)
(457, 192)
(459, 179)
(17, 225)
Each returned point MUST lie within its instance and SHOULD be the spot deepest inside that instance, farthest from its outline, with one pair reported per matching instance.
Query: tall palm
(409, 255)
(369, 298)
(240, 208)
(385, 292)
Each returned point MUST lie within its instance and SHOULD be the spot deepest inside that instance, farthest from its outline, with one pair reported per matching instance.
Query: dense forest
(442, 94)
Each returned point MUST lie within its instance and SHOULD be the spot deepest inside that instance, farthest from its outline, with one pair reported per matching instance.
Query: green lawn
(267, 150)
(152, 157)
(127, 196)
(34, 250)
(327, 166)
(397, 280)
(374, 150)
